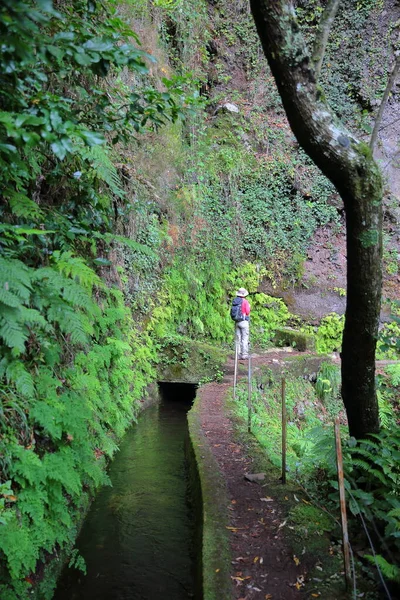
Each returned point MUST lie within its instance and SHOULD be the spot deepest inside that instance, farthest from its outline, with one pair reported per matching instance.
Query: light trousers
(242, 338)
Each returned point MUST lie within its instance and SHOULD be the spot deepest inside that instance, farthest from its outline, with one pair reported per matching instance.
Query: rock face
(227, 107)
(189, 361)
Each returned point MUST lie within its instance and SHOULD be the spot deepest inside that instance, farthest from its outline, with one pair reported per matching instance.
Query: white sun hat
(242, 292)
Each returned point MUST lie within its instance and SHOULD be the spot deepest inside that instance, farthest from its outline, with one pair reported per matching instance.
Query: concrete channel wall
(211, 509)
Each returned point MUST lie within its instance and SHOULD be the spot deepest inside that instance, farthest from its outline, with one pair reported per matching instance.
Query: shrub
(329, 334)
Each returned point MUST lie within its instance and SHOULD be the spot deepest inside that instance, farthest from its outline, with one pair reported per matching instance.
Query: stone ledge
(213, 514)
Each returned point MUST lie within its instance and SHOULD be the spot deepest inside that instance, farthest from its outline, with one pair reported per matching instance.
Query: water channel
(137, 539)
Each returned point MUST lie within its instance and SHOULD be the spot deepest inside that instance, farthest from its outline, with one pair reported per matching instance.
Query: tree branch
(382, 106)
(321, 41)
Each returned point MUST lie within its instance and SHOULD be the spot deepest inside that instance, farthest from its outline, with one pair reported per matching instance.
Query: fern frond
(31, 316)
(13, 333)
(9, 299)
(76, 268)
(48, 417)
(60, 466)
(68, 289)
(17, 374)
(16, 278)
(132, 244)
(104, 168)
(390, 571)
(70, 322)
(24, 207)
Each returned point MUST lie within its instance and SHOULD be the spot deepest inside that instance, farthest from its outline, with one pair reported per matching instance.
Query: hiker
(240, 313)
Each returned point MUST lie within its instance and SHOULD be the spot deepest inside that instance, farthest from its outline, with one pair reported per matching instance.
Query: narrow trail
(263, 566)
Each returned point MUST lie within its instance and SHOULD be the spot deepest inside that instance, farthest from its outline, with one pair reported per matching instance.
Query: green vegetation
(131, 211)
(73, 367)
(370, 466)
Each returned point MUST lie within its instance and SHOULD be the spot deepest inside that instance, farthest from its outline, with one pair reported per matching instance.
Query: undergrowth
(371, 467)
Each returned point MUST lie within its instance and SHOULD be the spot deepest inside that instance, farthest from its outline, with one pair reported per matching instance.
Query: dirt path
(263, 565)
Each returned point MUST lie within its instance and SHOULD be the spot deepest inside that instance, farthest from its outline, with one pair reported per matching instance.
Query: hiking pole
(284, 420)
(342, 498)
(249, 390)
(236, 367)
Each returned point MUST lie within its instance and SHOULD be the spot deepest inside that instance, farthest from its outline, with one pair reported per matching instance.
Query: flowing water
(137, 539)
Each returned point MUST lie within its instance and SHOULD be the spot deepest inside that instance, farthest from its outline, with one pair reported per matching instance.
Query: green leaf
(83, 59)
(55, 51)
(55, 119)
(59, 150)
(92, 138)
(98, 45)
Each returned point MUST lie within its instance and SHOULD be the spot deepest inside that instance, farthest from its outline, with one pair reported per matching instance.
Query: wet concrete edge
(215, 565)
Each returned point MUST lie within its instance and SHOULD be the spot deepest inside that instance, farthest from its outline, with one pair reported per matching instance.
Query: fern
(103, 167)
(389, 571)
(13, 332)
(76, 268)
(17, 374)
(61, 466)
(125, 241)
(16, 544)
(57, 284)
(24, 207)
(15, 277)
(48, 417)
(71, 323)
(9, 299)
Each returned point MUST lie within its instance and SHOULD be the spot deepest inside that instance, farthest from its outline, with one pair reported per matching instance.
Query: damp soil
(137, 540)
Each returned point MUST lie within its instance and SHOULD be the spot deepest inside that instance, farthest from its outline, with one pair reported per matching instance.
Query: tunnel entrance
(171, 391)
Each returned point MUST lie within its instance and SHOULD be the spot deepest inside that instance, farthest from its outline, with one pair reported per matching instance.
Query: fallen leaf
(10, 498)
(256, 559)
(295, 497)
(296, 560)
(315, 595)
(282, 524)
(268, 596)
(305, 501)
(267, 499)
(217, 570)
(233, 501)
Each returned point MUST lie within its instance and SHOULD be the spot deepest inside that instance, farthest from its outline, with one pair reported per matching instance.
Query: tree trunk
(349, 164)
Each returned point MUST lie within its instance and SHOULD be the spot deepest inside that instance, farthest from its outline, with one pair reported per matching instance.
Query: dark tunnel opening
(184, 393)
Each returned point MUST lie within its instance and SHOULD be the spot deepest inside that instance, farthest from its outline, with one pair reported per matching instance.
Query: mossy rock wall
(297, 339)
(188, 361)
